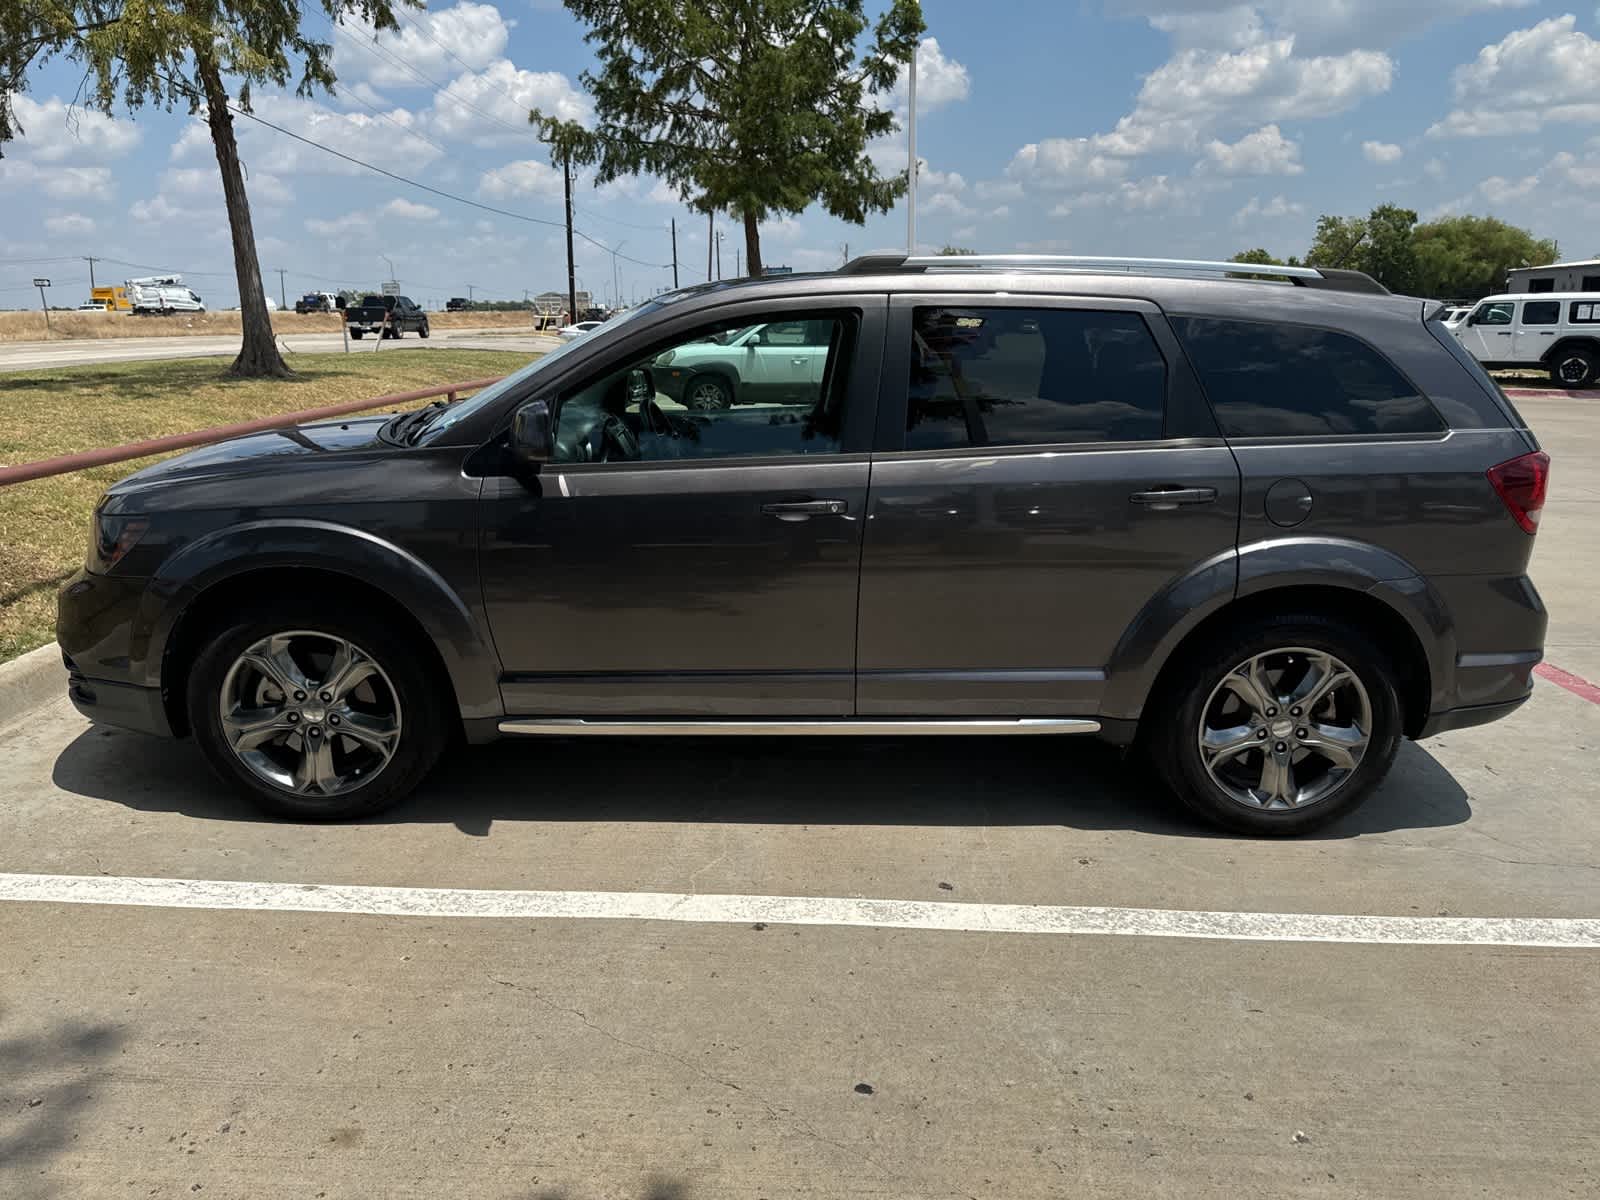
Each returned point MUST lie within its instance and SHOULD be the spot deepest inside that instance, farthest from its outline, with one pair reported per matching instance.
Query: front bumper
(106, 672)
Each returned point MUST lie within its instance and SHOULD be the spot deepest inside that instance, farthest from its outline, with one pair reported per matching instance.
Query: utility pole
(711, 236)
(616, 281)
(572, 271)
(91, 262)
(911, 150)
(737, 269)
(846, 253)
(283, 294)
(674, 252)
(719, 254)
(470, 286)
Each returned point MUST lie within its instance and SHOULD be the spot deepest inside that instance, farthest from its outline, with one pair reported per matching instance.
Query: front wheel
(355, 334)
(707, 393)
(1281, 727)
(422, 330)
(314, 715)
(1575, 369)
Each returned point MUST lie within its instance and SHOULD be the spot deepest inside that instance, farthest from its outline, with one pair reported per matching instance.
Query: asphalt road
(259, 1050)
(27, 356)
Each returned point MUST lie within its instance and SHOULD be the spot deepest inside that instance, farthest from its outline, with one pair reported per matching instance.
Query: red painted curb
(1528, 393)
(1575, 684)
(66, 463)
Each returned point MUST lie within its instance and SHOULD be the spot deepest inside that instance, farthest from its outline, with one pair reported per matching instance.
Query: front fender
(363, 557)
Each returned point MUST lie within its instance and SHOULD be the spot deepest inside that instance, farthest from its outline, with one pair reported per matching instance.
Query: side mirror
(641, 386)
(532, 435)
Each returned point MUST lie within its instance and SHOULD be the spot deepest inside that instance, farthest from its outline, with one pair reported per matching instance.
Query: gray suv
(1259, 527)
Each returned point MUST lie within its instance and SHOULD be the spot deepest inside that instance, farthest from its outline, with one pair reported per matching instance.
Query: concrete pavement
(215, 1052)
(28, 356)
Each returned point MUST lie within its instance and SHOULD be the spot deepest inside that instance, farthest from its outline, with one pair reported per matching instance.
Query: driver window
(727, 390)
(1493, 314)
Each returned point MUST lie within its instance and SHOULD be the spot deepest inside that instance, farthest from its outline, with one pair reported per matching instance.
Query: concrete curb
(27, 682)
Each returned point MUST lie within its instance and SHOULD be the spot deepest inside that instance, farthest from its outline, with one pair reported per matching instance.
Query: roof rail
(1326, 278)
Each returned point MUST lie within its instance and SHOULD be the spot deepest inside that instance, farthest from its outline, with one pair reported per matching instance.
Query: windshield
(493, 392)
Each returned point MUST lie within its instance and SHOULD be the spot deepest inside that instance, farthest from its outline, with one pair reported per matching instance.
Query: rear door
(1045, 467)
(1536, 329)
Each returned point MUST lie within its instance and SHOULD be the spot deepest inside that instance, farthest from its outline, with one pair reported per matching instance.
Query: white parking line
(943, 916)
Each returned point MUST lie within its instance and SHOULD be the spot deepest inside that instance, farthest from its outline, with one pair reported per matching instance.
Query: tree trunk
(752, 247)
(258, 356)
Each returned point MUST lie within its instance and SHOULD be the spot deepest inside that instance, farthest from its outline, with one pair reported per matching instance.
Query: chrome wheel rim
(310, 713)
(1285, 729)
(707, 395)
(1574, 370)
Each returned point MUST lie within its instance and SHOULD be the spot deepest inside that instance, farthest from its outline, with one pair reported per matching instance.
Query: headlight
(114, 536)
(665, 357)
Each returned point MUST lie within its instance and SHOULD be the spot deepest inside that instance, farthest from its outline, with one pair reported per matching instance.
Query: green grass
(44, 525)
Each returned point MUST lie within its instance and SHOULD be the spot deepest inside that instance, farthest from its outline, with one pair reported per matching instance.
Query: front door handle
(804, 510)
(1164, 499)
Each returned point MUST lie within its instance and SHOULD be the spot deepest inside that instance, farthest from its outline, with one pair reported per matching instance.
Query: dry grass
(44, 525)
(29, 326)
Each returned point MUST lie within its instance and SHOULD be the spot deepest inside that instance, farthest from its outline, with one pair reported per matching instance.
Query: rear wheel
(1281, 727)
(356, 334)
(1575, 369)
(315, 715)
(707, 393)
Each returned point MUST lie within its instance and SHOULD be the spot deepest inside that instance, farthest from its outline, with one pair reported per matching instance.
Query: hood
(256, 453)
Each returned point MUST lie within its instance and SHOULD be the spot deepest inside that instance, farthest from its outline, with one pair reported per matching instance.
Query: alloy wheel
(707, 395)
(1285, 729)
(310, 713)
(1574, 370)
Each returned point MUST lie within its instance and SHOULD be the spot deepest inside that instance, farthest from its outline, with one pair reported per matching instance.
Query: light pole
(386, 259)
(616, 283)
(911, 151)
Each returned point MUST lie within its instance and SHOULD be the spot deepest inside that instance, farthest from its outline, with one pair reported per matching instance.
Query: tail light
(1521, 483)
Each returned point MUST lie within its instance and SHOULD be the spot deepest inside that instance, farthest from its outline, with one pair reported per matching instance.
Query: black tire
(392, 332)
(1575, 369)
(422, 330)
(423, 729)
(355, 335)
(1177, 715)
(715, 394)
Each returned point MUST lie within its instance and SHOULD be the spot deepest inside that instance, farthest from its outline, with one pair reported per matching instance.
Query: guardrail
(66, 463)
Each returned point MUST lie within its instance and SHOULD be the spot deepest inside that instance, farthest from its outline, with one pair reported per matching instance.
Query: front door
(1033, 490)
(1489, 336)
(679, 562)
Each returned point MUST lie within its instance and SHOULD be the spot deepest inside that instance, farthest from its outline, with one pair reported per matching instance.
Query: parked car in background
(772, 361)
(1559, 333)
(1128, 498)
(568, 333)
(93, 306)
(316, 302)
(385, 316)
(457, 304)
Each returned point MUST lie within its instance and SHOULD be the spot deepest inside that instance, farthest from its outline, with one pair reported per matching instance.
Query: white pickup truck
(1556, 331)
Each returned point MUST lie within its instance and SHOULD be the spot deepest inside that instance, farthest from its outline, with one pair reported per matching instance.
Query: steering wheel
(615, 434)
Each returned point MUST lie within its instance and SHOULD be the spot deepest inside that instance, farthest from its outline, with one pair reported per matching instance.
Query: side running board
(844, 727)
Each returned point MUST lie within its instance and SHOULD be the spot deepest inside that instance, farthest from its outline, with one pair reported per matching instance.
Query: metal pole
(911, 151)
(283, 294)
(711, 236)
(572, 271)
(674, 251)
(738, 258)
(44, 305)
(719, 254)
(91, 262)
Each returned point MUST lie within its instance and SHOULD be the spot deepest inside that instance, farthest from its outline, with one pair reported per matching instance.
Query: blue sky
(1153, 127)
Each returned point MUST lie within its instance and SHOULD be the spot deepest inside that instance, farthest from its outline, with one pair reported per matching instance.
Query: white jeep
(1559, 331)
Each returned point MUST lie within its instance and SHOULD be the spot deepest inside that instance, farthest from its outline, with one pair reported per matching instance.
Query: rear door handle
(804, 510)
(1163, 499)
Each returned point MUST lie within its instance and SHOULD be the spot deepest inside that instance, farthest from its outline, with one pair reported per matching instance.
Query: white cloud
(998, 189)
(1565, 180)
(1264, 152)
(164, 209)
(1138, 195)
(1434, 168)
(1549, 73)
(663, 192)
(395, 144)
(1065, 162)
(265, 191)
(945, 202)
(55, 133)
(69, 225)
(24, 175)
(527, 177)
(940, 80)
(1382, 152)
(491, 106)
(1323, 26)
(1001, 212)
(466, 33)
(406, 210)
(1274, 209)
(351, 222)
(949, 181)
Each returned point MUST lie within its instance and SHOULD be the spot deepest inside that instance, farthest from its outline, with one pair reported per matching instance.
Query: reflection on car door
(1490, 336)
(1015, 524)
(690, 586)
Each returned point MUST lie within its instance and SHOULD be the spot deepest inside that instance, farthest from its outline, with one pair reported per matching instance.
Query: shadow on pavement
(47, 1082)
(817, 781)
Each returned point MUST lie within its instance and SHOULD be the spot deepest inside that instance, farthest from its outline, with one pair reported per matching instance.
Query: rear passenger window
(1028, 377)
(1587, 313)
(1542, 312)
(1266, 380)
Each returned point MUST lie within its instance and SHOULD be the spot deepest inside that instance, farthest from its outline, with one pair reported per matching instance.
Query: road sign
(41, 283)
(391, 288)
(777, 270)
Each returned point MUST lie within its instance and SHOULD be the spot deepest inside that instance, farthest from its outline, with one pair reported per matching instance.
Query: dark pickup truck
(386, 316)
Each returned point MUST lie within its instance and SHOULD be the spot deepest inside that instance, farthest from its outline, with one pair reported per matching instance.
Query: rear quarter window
(1273, 380)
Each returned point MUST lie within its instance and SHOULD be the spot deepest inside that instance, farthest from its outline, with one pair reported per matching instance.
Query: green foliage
(948, 249)
(1466, 258)
(1337, 242)
(1258, 256)
(752, 107)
